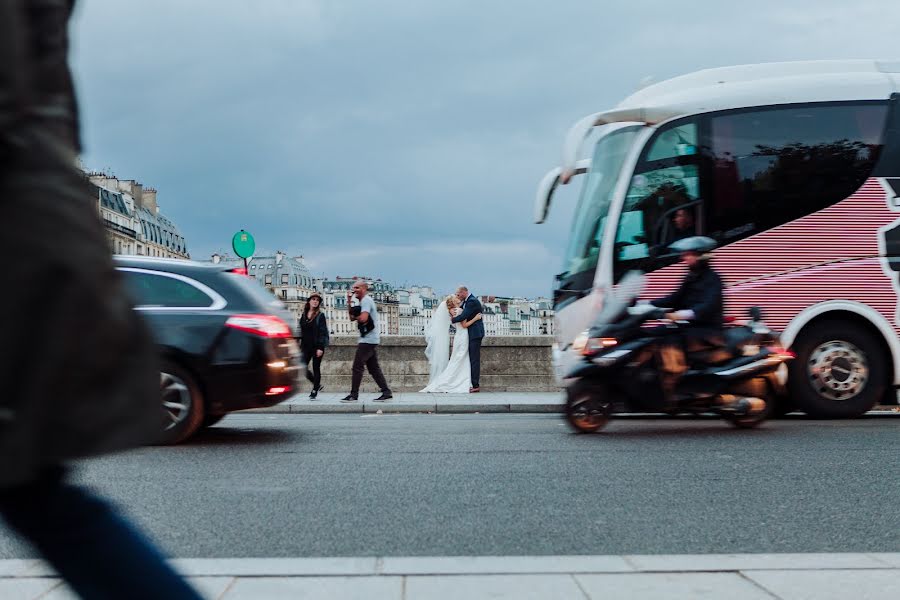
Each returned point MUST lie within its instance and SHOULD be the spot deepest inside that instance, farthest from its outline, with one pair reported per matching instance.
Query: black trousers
(367, 358)
(475, 360)
(313, 367)
(98, 552)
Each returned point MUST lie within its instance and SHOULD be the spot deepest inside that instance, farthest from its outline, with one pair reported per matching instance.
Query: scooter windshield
(621, 297)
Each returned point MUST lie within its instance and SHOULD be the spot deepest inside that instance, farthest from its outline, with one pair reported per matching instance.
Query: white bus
(794, 168)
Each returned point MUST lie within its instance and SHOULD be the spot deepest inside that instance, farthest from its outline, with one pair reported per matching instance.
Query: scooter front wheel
(588, 410)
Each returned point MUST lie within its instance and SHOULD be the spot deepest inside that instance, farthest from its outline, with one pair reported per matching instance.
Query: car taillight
(274, 391)
(239, 271)
(268, 326)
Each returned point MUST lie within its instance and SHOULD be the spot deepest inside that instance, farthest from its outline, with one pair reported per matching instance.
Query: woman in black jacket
(313, 341)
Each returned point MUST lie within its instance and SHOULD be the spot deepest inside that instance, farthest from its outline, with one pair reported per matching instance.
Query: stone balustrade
(508, 364)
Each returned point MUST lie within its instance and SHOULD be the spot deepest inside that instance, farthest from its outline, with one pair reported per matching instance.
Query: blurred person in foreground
(77, 367)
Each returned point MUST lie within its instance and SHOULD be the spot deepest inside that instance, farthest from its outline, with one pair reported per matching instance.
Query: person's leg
(359, 365)
(672, 366)
(475, 361)
(97, 552)
(309, 358)
(375, 371)
(317, 372)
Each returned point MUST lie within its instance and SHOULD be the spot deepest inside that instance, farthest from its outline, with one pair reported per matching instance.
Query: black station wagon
(225, 343)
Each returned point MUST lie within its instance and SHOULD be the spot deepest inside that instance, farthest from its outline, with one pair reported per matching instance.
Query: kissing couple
(457, 372)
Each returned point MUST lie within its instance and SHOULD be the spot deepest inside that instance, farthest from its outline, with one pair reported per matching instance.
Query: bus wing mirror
(548, 186)
(545, 194)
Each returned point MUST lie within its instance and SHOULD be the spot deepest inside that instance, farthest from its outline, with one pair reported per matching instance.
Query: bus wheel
(840, 371)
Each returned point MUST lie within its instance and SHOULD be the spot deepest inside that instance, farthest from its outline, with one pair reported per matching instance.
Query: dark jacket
(78, 369)
(35, 82)
(701, 291)
(320, 339)
(470, 308)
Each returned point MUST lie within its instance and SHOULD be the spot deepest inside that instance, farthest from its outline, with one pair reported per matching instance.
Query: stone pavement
(647, 577)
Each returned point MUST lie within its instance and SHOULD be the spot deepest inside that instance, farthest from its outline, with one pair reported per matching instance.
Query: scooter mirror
(755, 313)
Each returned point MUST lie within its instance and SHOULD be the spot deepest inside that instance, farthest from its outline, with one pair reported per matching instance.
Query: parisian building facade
(402, 311)
(134, 224)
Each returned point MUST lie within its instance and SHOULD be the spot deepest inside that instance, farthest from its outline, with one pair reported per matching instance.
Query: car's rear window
(164, 290)
(257, 292)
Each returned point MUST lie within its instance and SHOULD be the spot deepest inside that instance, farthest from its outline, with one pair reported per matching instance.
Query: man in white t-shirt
(366, 316)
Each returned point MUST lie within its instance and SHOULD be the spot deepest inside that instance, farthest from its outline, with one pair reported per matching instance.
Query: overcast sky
(401, 140)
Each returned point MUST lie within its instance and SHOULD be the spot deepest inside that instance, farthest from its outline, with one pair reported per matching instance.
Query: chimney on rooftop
(148, 198)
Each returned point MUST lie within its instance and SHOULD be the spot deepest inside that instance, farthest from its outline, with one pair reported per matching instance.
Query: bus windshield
(593, 206)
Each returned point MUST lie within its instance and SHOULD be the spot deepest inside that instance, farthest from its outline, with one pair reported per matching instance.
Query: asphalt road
(424, 485)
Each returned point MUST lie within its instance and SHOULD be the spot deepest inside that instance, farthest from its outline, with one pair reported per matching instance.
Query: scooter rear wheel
(588, 410)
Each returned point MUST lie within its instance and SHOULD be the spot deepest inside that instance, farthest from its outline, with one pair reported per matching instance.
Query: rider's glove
(683, 315)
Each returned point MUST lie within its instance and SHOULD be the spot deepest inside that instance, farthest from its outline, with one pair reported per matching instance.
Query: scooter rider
(697, 304)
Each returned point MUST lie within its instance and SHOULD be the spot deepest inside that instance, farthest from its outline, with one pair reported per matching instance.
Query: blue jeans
(97, 552)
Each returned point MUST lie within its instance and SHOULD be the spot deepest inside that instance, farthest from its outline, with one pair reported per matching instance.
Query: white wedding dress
(453, 375)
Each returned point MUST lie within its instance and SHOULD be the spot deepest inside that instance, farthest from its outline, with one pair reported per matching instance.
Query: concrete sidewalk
(731, 576)
(484, 402)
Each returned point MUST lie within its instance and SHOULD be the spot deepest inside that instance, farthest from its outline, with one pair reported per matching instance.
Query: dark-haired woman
(313, 341)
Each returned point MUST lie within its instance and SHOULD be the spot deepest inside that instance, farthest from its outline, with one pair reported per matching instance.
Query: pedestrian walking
(366, 316)
(78, 370)
(313, 341)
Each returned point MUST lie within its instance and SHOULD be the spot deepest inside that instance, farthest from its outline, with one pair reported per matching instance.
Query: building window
(284, 279)
(268, 280)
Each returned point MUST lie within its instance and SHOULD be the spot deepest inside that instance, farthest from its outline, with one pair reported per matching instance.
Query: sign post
(244, 245)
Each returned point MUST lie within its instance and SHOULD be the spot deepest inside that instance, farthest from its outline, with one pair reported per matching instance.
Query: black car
(225, 342)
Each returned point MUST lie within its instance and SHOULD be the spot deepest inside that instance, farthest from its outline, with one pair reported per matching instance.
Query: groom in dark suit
(471, 307)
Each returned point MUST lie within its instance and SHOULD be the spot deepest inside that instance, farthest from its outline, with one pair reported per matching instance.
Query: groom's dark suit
(470, 308)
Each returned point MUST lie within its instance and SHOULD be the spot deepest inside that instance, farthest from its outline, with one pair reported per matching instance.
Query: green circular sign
(243, 244)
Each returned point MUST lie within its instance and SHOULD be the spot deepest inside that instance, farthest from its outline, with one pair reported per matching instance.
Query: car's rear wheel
(182, 403)
(840, 371)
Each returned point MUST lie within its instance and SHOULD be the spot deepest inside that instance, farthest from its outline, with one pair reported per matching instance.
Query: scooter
(737, 379)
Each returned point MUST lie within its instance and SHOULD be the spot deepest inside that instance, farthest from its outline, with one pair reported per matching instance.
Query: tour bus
(794, 169)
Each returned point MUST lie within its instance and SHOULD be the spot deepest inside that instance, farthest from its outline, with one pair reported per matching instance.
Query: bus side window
(771, 166)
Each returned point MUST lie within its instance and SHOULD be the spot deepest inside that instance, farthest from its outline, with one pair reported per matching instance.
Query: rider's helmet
(698, 243)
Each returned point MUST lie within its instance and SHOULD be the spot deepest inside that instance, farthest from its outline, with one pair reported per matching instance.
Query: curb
(404, 407)
(329, 407)
(498, 565)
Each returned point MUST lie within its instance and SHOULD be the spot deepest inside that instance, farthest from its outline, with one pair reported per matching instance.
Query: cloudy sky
(401, 139)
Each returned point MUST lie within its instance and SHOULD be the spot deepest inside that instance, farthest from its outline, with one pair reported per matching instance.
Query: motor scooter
(736, 376)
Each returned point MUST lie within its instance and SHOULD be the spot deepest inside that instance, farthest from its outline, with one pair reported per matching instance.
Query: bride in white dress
(451, 375)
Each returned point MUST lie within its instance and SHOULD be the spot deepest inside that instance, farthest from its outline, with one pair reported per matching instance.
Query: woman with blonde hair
(448, 375)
